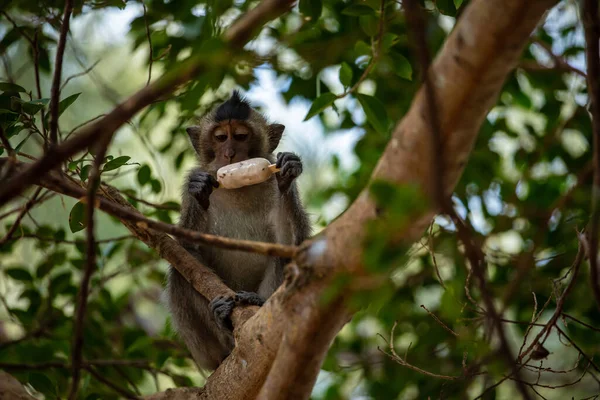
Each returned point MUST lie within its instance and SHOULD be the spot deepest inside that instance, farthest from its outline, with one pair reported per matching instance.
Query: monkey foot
(248, 298)
(221, 308)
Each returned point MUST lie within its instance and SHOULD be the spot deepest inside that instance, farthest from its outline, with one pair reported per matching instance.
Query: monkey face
(234, 141)
(233, 132)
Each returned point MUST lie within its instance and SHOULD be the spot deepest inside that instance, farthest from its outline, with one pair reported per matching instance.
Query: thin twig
(438, 321)
(60, 52)
(581, 322)
(560, 304)
(559, 62)
(394, 356)
(123, 392)
(83, 124)
(77, 75)
(151, 57)
(90, 267)
(65, 241)
(433, 259)
(6, 143)
(153, 205)
(591, 27)
(30, 203)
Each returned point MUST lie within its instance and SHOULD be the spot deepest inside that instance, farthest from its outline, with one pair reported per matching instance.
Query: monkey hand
(290, 167)
(222, 306)
(200, 186)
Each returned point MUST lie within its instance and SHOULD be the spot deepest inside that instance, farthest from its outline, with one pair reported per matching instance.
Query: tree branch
(83, 293)
(60, 52)
(592, 38)
(236, 36)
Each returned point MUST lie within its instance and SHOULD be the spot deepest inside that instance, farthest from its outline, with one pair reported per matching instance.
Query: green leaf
(116, 163)
(346, 74)
(66, 102)
(19, 274)
(446, 7)
(402, 66)
(369, 24)
(60, 282)
(375, 111)
(77, 220)
(156, 186)
(311, 8)
(29, 107)
(458, 3)
(43, 269)
(18, 148)
(85, 172)
(356, 10)
(388, 40)
(11, 87)
(42, 383)
(144, 174)
(320, 103)
(73, 165)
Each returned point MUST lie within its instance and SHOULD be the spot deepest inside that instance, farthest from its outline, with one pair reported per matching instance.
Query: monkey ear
(275, 133)
(194, 133)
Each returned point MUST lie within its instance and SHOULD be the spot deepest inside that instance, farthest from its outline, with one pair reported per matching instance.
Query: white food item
(245, 173)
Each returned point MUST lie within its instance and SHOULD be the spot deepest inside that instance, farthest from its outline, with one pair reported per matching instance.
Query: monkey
(270, 211)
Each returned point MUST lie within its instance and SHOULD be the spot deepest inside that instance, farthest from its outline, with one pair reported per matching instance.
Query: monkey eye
(240, 134)
(221, 138)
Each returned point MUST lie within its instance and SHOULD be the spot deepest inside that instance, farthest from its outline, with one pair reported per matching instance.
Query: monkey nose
(229, 154)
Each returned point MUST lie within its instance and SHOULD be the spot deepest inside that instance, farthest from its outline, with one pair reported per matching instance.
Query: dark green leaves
(116, 163)
(375, 111)
(11, 87)
(356, 10)
(144, 175)
(311, 8)
(19, 274)
(346, 74)
(320, 104)
(66, 102)
(401, 66)
(29, 107)
(77, 220)
(42, 383)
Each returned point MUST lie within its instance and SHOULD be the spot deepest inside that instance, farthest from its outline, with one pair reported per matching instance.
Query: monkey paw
(291, 168)
(248, 298)
(200, 186)
(221, 308)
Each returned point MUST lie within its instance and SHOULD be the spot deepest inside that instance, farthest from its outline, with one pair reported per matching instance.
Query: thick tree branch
(236, 36)
(60, 52)
(592, 38)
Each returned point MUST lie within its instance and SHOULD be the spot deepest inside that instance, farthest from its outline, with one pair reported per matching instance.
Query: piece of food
(245, 173)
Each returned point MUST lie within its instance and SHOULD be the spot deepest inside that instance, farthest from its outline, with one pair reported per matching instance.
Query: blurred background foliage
(339, 75)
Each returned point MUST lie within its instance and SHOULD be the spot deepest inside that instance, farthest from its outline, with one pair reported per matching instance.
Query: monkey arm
(292, 207)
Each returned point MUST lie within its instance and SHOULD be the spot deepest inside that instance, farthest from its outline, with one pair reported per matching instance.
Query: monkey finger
(279, 160)
(249, 298)
(200, 179)
(292, 169)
